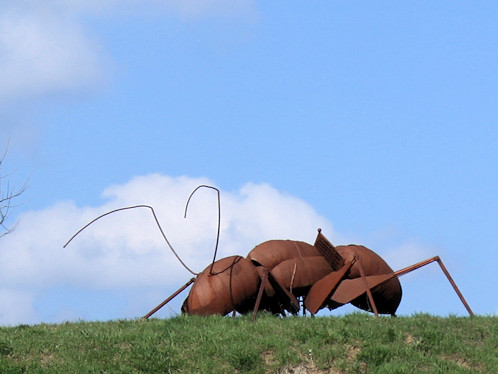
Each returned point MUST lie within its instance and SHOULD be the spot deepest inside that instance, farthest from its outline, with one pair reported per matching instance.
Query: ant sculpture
(277, 274)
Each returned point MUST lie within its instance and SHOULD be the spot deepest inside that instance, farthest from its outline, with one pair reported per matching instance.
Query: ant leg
(264, 279)
(369, 293)
(169, 299)
(445, 271)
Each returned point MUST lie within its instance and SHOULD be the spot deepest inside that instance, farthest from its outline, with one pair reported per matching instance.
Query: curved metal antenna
(219, 219)
(157, 223)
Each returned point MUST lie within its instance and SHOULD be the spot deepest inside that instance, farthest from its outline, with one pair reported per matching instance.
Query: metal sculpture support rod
(169, 298)
(264, 280)
(445, 271)
(369, 292)
(289, 299)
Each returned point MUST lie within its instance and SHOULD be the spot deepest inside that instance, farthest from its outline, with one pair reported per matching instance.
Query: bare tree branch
(7, 197)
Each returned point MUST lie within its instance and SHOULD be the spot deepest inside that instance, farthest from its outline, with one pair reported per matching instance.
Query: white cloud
(44, 52)
(407, 254)
(124, 251)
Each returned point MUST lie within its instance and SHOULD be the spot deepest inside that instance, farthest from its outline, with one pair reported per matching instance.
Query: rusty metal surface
(323, 288)
(371, 302)
(299, 274)
(387, 295)
(297, 267)
(277, 272)
(287, 300)
(350, 289)
(371, 262)
(264, 280)
(273, 252)
(235, 283)
(291, 269)
(328, 251)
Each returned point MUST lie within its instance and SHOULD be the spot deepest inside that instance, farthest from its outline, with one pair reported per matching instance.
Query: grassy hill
(357, 343)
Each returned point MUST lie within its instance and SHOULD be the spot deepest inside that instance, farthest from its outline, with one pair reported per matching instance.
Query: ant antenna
(219, 220)
(157, 223)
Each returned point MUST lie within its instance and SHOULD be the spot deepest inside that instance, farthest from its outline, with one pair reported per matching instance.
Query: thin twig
(7, 195)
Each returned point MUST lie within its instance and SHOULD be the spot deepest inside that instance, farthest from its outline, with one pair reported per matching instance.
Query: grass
(356, 343)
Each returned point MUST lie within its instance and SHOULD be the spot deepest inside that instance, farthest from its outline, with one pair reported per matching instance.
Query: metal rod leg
(169, 299)
(450, 279)
(369, 293)
(262, 286)
(445, 271)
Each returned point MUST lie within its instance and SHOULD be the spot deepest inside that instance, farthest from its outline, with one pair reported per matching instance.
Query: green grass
(357, 343)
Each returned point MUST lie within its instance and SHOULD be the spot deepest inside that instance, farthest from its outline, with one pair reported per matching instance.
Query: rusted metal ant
(279, 275)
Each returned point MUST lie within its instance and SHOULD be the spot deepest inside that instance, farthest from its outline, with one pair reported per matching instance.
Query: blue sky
(375, 121)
